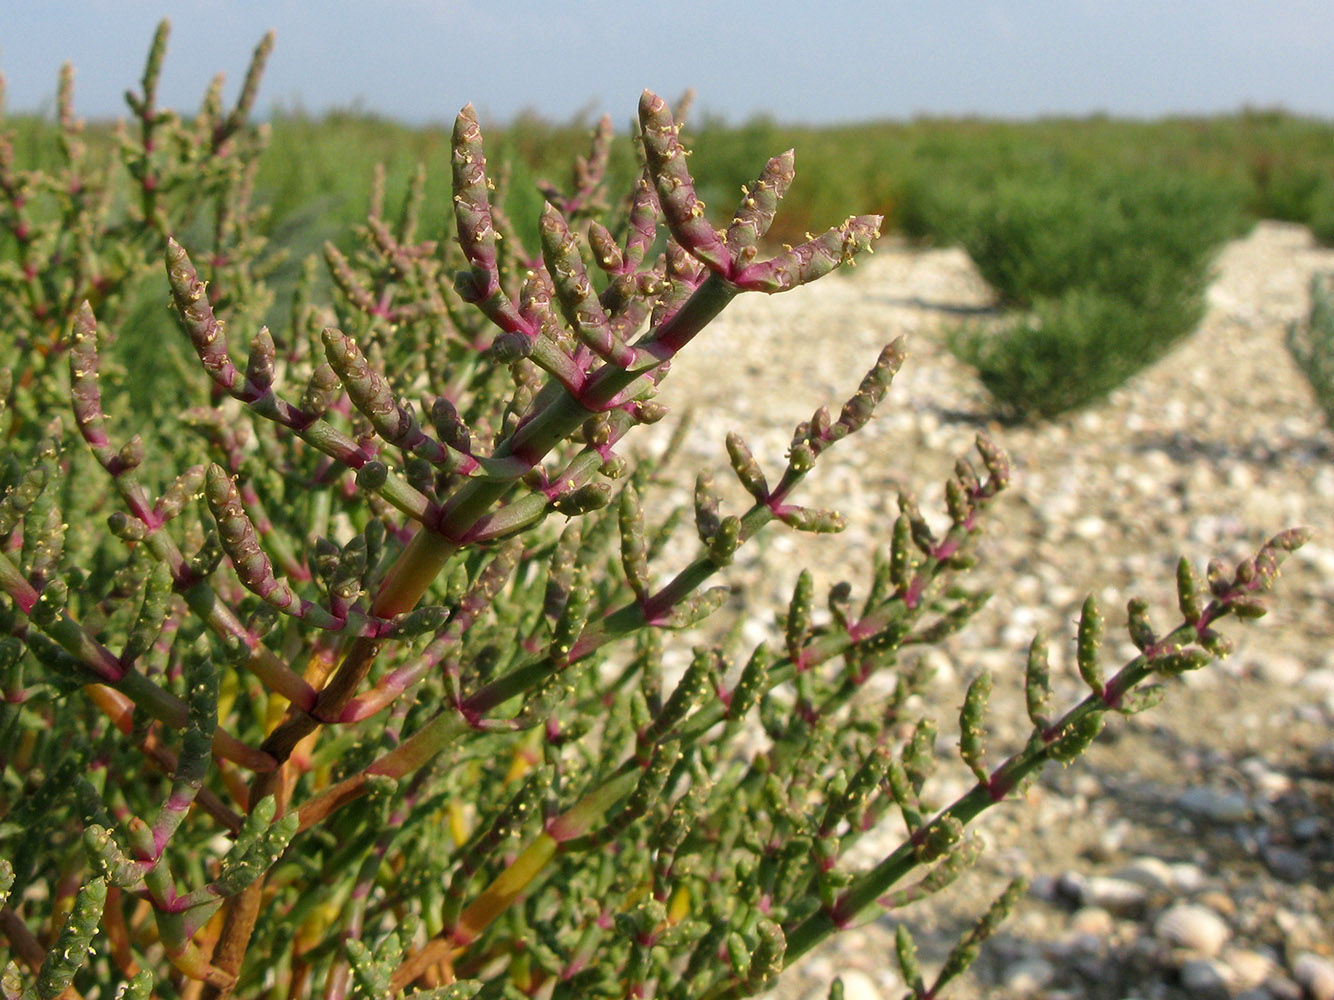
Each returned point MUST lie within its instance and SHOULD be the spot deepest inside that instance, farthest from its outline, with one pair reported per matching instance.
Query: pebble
(1267, 780)
(1195, 928)
(1214, 805)
(1027, 976)
(1092, 920)
(1249, 967)
(1315, 974)
(1152, 873)
(1188, 878)
(1116, 895)
(1288, 864)
(1205, 977)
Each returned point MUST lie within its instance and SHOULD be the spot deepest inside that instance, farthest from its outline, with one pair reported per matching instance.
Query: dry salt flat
(1191, 853)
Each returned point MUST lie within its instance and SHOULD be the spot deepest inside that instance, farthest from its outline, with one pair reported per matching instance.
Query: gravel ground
(1191, 852)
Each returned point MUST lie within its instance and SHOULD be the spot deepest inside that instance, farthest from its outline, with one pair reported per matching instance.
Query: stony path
(1191, 854)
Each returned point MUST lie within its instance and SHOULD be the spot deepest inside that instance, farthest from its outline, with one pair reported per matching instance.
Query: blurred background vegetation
(1096, 233)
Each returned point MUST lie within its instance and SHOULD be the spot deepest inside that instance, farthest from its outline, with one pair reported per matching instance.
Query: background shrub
(1109, 268)
(1311, 344)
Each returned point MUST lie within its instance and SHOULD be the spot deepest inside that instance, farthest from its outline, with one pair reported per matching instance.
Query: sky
(808, 61)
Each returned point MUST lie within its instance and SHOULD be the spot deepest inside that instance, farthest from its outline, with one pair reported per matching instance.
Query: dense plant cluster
(1311, 344)
(1107, 272)
(335, 665)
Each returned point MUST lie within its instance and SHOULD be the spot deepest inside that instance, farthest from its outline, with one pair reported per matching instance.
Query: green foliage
(1109, 271)
(1071, 350)
(337, 664)
(1311, 344)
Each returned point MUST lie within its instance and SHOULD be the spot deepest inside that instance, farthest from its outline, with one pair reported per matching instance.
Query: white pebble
(1152, 873)
(1027, 976)
(1250, 967)
(1195, 928)
(1116, 895)
(1315, 974)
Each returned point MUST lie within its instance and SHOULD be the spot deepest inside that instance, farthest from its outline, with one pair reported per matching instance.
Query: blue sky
(797, 60)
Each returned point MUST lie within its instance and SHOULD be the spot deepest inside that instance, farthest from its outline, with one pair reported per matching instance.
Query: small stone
(1027, 976)
(1192, 927)
(1116, 895)
(1205, 977)
(1268, 781)
(1214, 805)
(1152, 873)
(1218, 901)
(1315, 974)
(1250, 968)
(1188, 878)
(1092, 920)
(1287, 864)
(1282, 988)
(1089, 528)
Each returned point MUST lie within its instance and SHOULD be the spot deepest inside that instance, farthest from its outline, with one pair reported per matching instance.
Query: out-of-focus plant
(1105, 275)
(1311, 344)
(341, 670)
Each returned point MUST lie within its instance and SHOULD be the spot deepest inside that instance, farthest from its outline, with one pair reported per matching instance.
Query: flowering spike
(751, 684)
(1141, 632)
(759, 202)
(634, 547)
(241, 542)
(746, 468)
(724, 542)
(905, 949)
(643, 223)
(245, 101)
(152, 616)
(690, 691)
(766, 961)
(963, 954)
(902, 558)
(857, 410)
(798, 625)
(605, 250)
(1087, 643)
(971, 725)
(997, 462)
(919, 756)
(321, 391)
(370, 393)
(676, 190)
(695, 608)
(185, 488)
(1037, 684)
(1075, 738)
(707, 503)
(812, 259)
(70, 949)
(204, 329)
(820, 522)
(477, 234)
(575, 293)
(259, 369)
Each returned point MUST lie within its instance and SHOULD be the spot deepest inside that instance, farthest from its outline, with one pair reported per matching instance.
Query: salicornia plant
(336, 667)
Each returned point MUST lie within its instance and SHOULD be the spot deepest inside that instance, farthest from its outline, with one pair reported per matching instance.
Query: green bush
(1070, 350)
(1311, 344)
(1108, 271)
